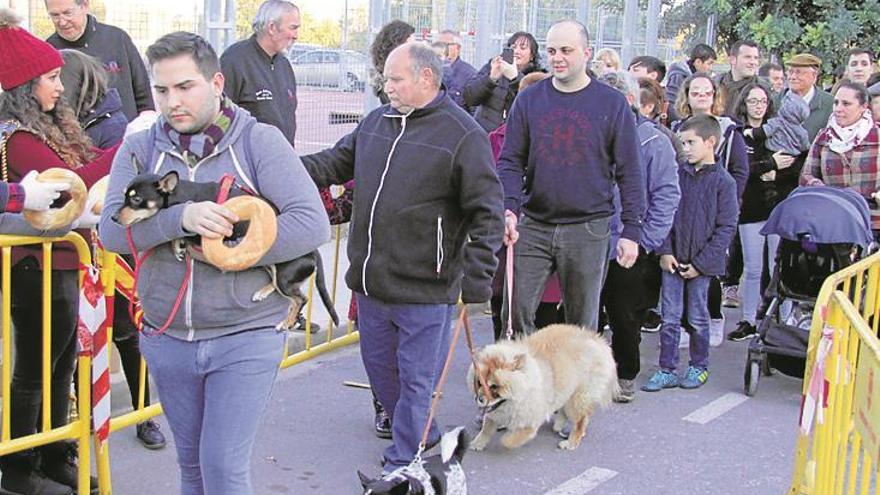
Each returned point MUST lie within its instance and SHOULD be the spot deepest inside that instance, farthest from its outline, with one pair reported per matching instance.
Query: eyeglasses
(756, 101)
(66, 15)
(806, 71)
(703, 94)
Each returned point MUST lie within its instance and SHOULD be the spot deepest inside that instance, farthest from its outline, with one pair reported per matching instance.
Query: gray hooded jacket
(216, 303)
(785, 132)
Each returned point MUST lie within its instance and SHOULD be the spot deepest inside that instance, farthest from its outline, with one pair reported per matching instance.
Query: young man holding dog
(426, 224)
(215, 364)
(693, 253)
(568, 141)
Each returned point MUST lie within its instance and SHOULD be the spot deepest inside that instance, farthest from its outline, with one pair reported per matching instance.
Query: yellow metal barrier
(80, 429)
(108, 278)
(350, 337)
(839, 454)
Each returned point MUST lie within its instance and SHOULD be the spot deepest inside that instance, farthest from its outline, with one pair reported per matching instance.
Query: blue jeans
(578, 252)
(404, 347)
(753, 266)
(672, 296)
(214, 393)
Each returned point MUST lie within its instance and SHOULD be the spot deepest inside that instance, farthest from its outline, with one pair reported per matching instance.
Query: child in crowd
(786, 133)
(694, 252)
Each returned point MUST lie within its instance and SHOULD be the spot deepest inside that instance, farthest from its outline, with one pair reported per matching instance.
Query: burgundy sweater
(26, 152)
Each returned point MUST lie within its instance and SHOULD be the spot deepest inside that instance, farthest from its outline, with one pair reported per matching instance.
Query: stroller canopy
(829, 215)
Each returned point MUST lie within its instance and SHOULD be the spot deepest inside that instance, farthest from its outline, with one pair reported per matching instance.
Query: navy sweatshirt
(572, 148)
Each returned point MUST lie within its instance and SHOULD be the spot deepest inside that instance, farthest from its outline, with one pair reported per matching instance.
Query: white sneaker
(685, 340)
(716, 332)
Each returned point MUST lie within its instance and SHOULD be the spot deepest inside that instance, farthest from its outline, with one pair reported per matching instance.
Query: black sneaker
(652, 322)
(26, 483)
(300, 325)
(744, 331)
(382, 421)
(60, 465)
(150, 436)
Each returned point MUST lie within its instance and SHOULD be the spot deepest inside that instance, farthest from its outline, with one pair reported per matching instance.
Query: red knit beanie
(24, 56)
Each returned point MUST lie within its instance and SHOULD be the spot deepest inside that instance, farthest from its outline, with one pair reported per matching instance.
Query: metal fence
(334, 83)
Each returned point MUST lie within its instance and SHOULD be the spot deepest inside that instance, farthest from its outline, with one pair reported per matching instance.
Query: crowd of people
(632, 197)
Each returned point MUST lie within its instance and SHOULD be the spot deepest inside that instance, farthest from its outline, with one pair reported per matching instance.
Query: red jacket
(26, 152)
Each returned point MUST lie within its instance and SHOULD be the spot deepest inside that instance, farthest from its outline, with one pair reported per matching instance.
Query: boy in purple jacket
(694, 252)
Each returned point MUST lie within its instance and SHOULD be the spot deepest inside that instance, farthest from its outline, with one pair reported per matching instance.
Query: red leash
(226, 183)
(138, 261)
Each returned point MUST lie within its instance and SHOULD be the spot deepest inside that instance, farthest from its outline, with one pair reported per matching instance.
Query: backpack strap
(248, 153)
(249, 178)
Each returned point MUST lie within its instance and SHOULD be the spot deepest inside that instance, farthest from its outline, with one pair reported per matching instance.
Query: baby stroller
(822, 230)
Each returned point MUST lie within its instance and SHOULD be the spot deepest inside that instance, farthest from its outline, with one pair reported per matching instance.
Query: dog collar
(493, 407)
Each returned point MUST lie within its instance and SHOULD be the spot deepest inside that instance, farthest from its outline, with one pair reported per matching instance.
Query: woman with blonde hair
(606, 60)
(43, 132)
(701, 95)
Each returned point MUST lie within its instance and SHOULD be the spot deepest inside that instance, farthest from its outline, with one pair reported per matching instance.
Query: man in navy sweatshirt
(569, 141)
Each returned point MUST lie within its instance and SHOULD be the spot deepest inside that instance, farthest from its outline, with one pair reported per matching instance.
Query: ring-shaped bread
(56, 218)
(258, 239)
(97, 193)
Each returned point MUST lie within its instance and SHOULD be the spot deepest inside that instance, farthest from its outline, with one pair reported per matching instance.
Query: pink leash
(509, 275)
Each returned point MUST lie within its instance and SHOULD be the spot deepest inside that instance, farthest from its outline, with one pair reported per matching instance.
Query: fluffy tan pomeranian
(562, 369)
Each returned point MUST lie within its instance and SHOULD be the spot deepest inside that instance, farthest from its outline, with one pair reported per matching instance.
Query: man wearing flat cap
(803, 72)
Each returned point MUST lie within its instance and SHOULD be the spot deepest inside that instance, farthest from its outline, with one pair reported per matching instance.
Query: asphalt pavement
(317, 432)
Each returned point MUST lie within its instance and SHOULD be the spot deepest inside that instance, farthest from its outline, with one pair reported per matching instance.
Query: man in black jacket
(258, 75)
(76, 29)
(745, 57)
(426, 223)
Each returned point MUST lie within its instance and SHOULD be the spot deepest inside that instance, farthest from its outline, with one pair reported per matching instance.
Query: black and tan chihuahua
(148, 193)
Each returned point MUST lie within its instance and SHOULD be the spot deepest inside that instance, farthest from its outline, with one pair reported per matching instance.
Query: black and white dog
(439, 474)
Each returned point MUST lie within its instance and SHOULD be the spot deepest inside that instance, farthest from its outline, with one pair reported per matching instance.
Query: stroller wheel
(766, 370)
(751, 377)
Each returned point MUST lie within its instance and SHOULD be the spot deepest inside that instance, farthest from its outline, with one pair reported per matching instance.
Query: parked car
(343, 69)
(299, 48)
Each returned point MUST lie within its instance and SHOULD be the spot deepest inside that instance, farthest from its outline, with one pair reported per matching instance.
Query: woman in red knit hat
(45, 133)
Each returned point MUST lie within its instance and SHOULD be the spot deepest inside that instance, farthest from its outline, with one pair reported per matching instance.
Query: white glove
(141, 122)
(87, 219)
(39, 195)
(508, 70)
